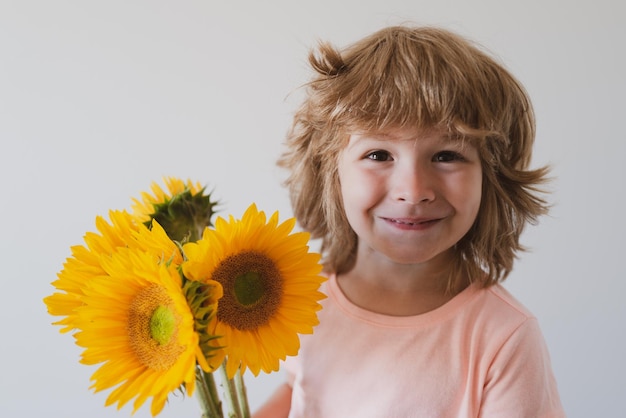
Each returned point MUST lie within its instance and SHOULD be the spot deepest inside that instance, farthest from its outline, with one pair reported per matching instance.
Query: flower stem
(231, 394)
(209, 397)
(242, 396)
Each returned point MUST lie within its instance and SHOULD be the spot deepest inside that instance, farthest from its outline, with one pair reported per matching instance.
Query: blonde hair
(420, 78)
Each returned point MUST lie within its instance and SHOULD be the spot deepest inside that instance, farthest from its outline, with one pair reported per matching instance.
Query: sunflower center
(153, 328)
(249, 288)
(162, 325)
(252, 290)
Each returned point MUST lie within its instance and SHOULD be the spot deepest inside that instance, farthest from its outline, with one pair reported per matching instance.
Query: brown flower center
(252, 290)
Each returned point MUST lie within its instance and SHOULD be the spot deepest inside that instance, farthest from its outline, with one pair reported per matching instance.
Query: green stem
(242, 396)
(231, 394)
(209, 397)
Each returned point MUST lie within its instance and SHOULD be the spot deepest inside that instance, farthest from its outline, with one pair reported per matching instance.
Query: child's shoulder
(494, 308)
(506, 302)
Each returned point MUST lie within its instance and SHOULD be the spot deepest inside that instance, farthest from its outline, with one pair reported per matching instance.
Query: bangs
(413, 79)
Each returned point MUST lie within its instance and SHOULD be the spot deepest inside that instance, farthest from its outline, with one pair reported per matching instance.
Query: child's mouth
(412, 222)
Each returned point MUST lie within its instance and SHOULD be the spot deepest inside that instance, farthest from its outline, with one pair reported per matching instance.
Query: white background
(100, 98)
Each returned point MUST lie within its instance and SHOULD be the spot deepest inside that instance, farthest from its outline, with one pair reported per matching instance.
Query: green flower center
(153, 328)
(248, 288)
(162, 325)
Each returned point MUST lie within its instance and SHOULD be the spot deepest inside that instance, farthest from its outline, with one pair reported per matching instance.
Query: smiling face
(409, 196)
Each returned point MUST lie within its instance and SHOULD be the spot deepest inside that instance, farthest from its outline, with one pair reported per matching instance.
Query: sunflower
(270, 282)
(85, 262)
(136, 321)
(183, 210)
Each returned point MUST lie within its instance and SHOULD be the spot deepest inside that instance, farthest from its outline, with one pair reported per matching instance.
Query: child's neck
(397, 289)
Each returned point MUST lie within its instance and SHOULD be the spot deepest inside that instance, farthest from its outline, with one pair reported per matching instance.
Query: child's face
(409, 196)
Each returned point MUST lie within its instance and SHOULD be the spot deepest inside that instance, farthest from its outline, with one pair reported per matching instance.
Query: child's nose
(413, 184)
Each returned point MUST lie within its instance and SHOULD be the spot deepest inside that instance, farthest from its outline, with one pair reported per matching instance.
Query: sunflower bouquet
(161, 299)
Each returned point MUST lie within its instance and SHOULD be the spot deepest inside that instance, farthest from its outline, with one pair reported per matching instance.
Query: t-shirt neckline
(436, 315)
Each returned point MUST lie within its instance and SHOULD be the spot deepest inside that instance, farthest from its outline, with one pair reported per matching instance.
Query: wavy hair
(421, 78)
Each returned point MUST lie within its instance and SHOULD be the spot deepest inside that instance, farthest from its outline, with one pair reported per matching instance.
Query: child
(409, 160)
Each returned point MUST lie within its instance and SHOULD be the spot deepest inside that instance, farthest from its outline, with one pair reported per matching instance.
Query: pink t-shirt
(481, 354)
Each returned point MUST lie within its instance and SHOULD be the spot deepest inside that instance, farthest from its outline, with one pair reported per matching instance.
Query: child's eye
(448, 156)
(378, 156)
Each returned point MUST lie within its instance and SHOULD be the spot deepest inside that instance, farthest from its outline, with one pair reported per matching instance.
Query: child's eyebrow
(384, 136)
(375, 135)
